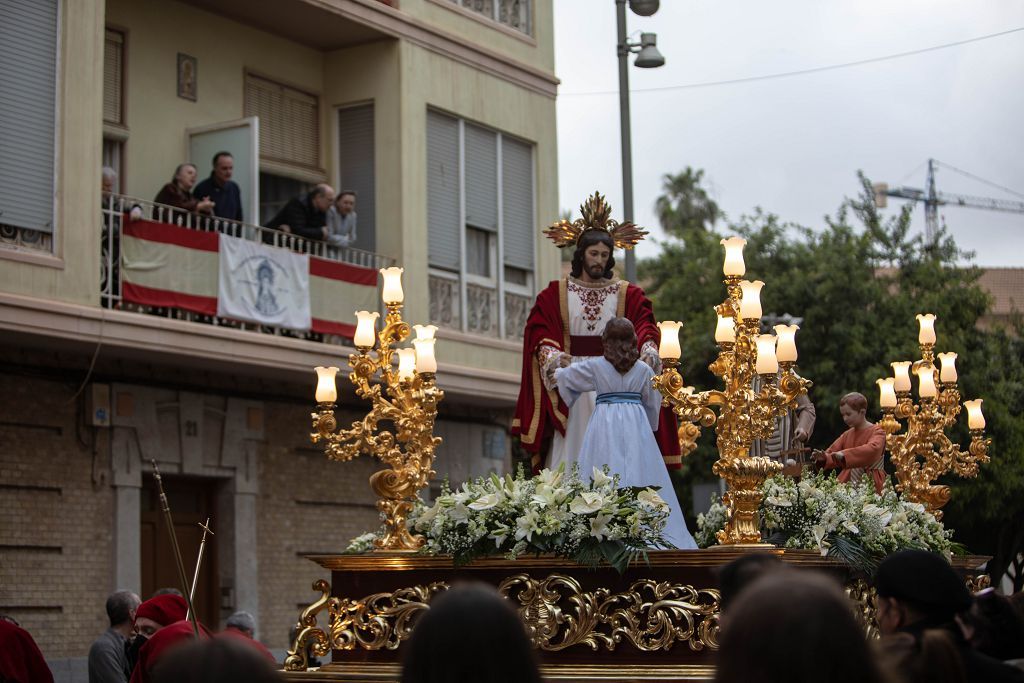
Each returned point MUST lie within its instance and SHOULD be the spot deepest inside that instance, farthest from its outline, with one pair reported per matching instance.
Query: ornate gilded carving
(307, 633)
(862, 595)
(382, 620)
(978, 582)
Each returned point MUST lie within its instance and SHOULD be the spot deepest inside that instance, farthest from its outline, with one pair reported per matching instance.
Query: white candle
(767, 363)
(901, 373)
(887, 394)
(975, 420)
(406, 363)
(669, 347)
(425, 361)
(326, 390)
(786, 349)
(366, 329)
(725, 332)
(926, 381)
(734, 256)
(927, 333)
(392, 293)
(750, 303)
(425, 332)
(948, 371)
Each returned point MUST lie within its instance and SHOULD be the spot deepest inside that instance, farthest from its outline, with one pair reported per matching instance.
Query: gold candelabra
(406, 398)
(923, 453)
(745, 412)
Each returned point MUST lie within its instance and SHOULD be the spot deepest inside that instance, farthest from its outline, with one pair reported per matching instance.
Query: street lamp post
(648, 57)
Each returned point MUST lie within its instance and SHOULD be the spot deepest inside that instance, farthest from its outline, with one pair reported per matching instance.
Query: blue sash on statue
(619, 397)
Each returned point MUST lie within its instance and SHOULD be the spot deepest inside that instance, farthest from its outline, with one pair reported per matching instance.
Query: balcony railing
(116, 209)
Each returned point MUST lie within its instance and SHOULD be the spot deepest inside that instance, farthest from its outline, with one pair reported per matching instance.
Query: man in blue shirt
(227, 200)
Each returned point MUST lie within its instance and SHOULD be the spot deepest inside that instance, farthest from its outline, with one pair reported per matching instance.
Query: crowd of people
(321, 215)
(777, 624)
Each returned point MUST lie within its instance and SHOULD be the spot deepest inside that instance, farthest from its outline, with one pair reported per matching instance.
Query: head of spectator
(185, 177)
(992, 626)
(242, 625)
(470, 633)
(158, 612)
(931, 657)
(167, 590)
(108, 181)
(121, 606)
(916, 587)
(741, 572)
(20, 658)
(796, 627)
(223, 167)
(243, 622)
(157, 647)
(345, 202)
(322, 197)
(214, 661)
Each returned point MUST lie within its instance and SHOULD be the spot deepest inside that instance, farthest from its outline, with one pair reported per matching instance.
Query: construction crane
(933, 199)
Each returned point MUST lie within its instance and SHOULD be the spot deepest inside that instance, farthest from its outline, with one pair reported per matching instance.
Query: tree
(858, 284)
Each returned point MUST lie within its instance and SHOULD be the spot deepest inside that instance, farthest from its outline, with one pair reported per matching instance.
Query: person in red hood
(166, 639)
(20, 658)
(151, 616)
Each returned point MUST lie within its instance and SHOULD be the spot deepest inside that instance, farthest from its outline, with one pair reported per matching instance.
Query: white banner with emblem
(263, 284)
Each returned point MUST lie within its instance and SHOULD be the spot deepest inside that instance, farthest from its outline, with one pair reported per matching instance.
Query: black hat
(924, 579)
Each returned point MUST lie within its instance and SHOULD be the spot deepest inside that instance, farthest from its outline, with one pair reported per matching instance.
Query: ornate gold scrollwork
(382, 620)
(862, 595)
(978, 582)
(651, 615)
(307, 633)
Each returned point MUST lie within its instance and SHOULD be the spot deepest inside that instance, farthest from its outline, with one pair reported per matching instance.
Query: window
(28, 52)
(289, 123)
(113, 151)
(512, 13)
(480, 217)
(113, 78)
(356, 169)
(275, 191)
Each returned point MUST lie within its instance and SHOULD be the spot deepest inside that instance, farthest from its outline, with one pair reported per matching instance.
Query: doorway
(192, 500)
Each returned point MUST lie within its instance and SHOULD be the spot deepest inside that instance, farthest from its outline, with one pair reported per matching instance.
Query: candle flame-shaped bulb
(392, 291)
(948, 371)
(366, 329)
(927, 333)
(424, 332)
(786, 347)
(425, 360)
(901, 374)
(926, 381)
(887, 393)
(326, 389)
(725, 332)
(406, 364)
(975, 420)
(669, 349)
(767, 363)
(750, 303)
(734, 265)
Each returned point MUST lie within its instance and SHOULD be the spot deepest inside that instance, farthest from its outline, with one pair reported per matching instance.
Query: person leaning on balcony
(858, 450)
(178, 192)
(221, 189)
(305, 216)
(107, 186)
(341, 220)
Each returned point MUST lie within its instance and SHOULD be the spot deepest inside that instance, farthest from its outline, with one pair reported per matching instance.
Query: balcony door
(241, 138)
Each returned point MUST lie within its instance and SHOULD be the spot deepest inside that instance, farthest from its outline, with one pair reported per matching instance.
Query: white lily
(599, 526)
(651, 498)
(587, 502)
(600, 478)
(486, 502)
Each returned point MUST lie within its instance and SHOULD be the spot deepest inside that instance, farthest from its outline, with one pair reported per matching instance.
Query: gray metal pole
(627, 146)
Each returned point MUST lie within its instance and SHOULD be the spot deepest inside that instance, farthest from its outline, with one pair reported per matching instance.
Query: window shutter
(113, 77)
(28, 84)
(443, 223)
(481, 178)
(517, 203)
(289, 122)
(356, 169)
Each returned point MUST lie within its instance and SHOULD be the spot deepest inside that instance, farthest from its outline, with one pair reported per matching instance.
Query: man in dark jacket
(917, 591)
(221, 189)
(305, 216)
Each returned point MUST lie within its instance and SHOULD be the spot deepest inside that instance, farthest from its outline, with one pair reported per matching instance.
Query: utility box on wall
(97, 405)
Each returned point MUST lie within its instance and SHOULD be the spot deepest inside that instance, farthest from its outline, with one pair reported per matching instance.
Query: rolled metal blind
(113, 77)
(443, 216)
(481, 160)
(28, 84)
(289, 122)
(518, 233)
(356, 150)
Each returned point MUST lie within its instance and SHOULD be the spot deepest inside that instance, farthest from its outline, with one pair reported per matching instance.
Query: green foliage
(857, 283)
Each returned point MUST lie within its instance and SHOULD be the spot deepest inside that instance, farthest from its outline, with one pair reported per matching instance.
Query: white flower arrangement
(849, 521)
(550, 513)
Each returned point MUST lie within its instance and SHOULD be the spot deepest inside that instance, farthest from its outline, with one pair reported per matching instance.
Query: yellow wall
(157, 118)
(430, 80)
(65, 276)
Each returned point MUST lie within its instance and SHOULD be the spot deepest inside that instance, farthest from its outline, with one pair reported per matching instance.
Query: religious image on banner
(263, 284)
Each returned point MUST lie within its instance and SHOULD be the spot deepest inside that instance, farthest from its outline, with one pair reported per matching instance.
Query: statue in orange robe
(858, 451)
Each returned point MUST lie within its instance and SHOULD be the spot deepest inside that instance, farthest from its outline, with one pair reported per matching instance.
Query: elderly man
(306, 216)
(241, 626)
(917, 591)
(221, 189)
(108, 661)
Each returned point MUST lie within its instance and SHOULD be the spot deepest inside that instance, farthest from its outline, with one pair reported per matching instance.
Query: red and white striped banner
(175, 267)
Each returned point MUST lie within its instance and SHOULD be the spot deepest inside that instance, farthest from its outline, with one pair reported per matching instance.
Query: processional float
(657, 621)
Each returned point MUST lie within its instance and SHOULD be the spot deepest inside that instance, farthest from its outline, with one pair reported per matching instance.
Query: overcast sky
(793, 145)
